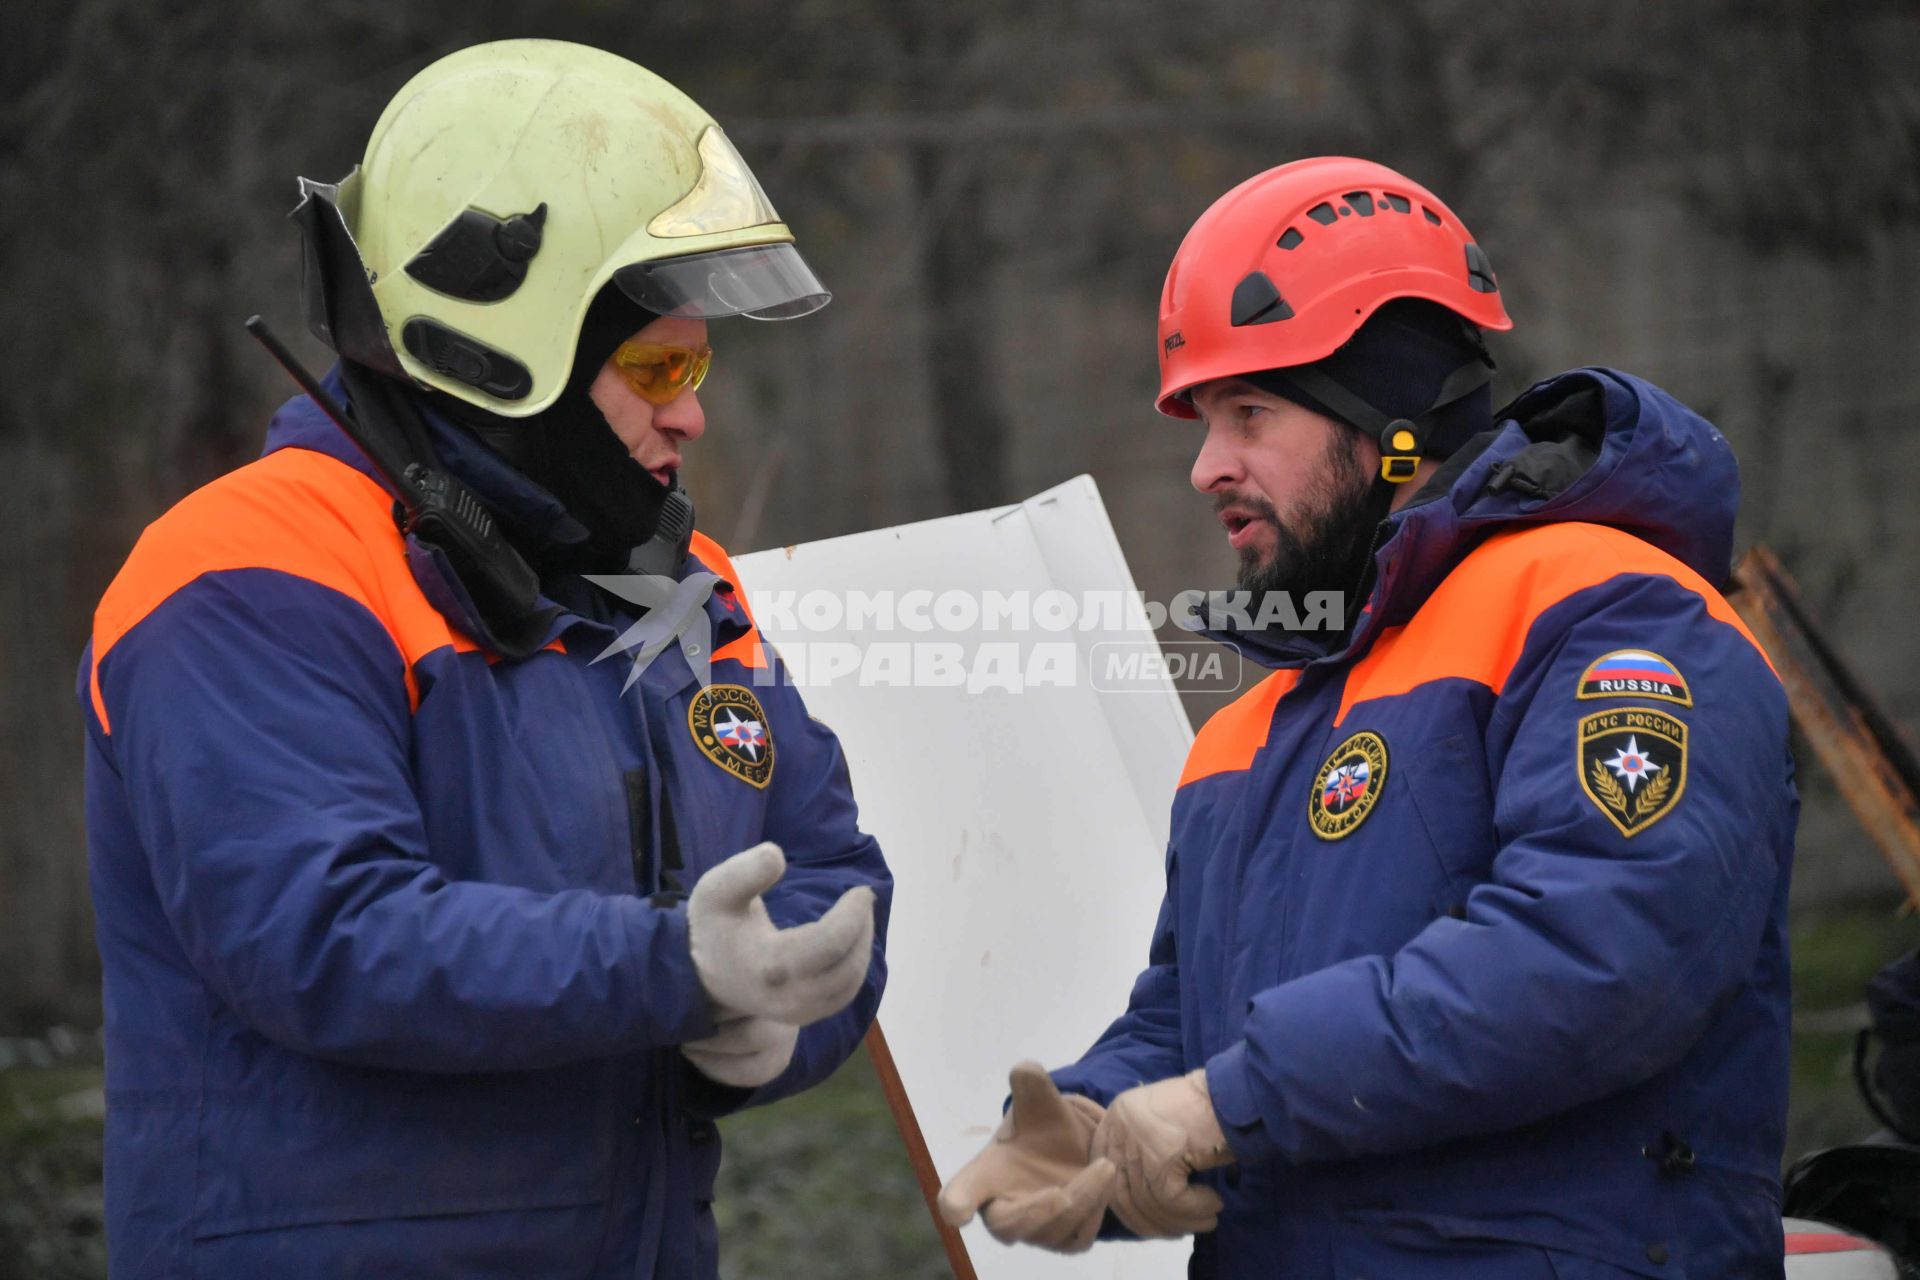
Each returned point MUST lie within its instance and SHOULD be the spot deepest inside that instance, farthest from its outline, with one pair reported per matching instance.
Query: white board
(1026, 830)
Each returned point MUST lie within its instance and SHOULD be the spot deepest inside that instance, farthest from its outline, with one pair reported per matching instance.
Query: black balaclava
(1397, 362)
(570, 450)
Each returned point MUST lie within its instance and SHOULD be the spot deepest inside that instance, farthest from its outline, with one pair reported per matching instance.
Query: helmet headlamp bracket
(478, 257)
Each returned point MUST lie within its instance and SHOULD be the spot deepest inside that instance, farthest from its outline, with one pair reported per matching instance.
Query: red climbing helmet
(1286, 266)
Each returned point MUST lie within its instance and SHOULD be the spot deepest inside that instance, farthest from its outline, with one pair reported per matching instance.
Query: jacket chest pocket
(714, 815)
(704, 813)
(518, 782)
(1452, 799)
(1391, 833)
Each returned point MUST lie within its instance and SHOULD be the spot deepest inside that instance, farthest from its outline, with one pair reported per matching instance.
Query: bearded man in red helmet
(1472, 961)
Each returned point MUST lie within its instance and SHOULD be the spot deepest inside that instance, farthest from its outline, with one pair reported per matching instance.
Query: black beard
(1324, 547)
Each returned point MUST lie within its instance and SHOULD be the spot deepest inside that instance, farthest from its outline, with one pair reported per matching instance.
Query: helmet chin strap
(1401, 440)
(1378, 504)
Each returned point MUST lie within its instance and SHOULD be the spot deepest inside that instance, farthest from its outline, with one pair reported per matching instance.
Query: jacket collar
(1593, 445)
(510, 496)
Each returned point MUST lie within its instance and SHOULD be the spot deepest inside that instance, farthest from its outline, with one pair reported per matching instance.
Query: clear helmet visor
(761, 282)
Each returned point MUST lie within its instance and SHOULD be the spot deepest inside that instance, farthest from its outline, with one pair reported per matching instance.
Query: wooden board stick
(917, 1153)
(1857, 742)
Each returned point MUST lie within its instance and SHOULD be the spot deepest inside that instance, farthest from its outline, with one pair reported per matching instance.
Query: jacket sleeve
(1144, 1043)
(1589, 960)
(812, 816)
(261, 727)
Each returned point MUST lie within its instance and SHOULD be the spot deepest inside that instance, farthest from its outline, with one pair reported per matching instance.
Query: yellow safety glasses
(657, 372)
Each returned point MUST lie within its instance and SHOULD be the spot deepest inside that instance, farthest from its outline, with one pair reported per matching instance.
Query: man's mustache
(1260, 508)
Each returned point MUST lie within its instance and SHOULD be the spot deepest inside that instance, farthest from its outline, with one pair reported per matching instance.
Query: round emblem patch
(1348, 786)
(731, 730)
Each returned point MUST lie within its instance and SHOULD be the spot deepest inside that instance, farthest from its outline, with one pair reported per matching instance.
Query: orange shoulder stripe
(1229, 739)
(295, 511)
(746, 650)
(715, 557)
(1474, 625)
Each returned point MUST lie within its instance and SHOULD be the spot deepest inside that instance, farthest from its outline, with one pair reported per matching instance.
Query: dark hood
(526, 509)
(1595, 446)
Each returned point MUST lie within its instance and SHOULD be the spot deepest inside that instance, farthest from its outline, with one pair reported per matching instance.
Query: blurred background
(1720, 195)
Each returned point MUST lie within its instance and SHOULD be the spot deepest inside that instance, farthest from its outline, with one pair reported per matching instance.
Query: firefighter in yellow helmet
(423, 750)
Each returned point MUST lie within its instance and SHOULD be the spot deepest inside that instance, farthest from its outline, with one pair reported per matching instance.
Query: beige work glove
(746, 1052)
(751, 968)
(1033, 1183)
(1156, 1136)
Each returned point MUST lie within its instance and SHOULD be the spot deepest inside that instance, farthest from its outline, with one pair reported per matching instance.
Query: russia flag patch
(1634, 673)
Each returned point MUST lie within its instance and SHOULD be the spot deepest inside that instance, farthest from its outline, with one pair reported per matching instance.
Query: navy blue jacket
(1475, 916)
(386, 994)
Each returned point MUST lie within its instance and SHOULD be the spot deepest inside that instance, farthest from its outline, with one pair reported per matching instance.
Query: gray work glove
(751, 968)
(745, 1052)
